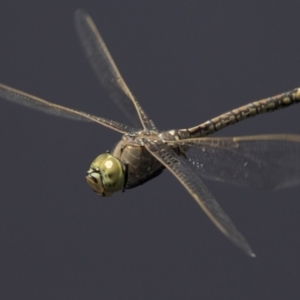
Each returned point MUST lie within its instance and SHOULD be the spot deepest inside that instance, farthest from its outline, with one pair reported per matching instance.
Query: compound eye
(106, 175)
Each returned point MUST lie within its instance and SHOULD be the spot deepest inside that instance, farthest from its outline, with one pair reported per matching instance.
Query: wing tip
(80, 14)
(252, 254)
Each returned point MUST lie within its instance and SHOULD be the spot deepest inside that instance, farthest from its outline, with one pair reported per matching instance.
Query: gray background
(186, 61)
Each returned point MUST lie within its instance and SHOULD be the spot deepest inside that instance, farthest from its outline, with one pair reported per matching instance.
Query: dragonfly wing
(107, 71)
(34, 102)
(178, 166)
(266, 162)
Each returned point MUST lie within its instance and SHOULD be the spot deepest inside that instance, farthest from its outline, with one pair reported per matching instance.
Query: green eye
(106, 175)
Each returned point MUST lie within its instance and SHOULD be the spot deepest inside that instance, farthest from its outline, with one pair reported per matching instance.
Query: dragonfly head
(106, 175)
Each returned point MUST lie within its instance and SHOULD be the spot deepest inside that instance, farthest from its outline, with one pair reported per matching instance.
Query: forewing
(266, 162)
(34, 102)
(179, 167)
(107, 71)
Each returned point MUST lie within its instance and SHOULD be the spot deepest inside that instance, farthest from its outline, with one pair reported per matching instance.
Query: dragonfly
(268, 162)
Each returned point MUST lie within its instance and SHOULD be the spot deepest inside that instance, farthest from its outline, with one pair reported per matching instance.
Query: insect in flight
(259, 161)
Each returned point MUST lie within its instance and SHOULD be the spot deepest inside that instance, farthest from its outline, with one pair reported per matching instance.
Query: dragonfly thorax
(106, 175)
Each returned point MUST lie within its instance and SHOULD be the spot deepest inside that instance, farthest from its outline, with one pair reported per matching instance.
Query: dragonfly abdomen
(244, 112)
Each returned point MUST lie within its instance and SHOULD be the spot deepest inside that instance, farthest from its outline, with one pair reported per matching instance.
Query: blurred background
(186, 62)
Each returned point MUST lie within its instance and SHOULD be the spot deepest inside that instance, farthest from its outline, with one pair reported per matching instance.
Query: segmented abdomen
(241, 113)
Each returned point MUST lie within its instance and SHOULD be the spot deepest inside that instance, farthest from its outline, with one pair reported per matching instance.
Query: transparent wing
(34, 102)
(267, 162)
(107, 72)
(179, 167)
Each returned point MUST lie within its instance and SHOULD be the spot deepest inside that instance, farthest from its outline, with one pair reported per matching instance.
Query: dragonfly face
(106, 175)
